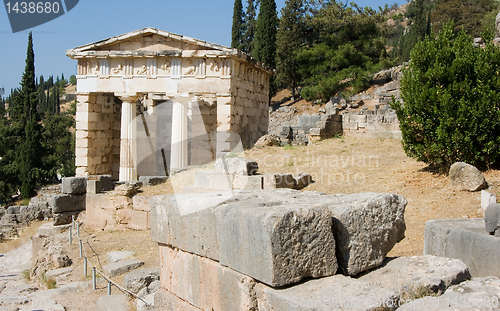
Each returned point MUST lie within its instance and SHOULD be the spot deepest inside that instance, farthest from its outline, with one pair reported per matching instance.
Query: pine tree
(29, 152)
(237, 29)
(249, 26)
(290, 38)
(265, 38)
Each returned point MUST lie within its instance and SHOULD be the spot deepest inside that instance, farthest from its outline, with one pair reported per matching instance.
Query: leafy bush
(451, 94)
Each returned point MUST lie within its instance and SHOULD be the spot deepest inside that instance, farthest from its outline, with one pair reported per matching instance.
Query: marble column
(128, 134)
(179, 142)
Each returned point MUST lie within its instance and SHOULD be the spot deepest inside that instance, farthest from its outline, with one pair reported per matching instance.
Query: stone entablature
(150, 90)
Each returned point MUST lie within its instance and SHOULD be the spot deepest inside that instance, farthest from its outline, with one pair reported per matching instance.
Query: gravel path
(14, 289)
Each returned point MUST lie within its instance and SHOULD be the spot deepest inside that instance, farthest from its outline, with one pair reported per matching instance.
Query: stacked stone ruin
(14, 217)
(255, 250)
(239, 174)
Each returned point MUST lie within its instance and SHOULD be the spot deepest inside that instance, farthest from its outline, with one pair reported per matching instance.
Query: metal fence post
(94, 285)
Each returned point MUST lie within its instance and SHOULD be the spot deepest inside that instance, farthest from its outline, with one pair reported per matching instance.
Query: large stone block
(152, 180)
(248, 182)
(464, 239)
(121, 267)
(74, 185)
(410, 273)
(278, 243)
(272, 181)
(65, 218)
(68, 203)
(366, 227)
(331, 293)
(165, 300)
(235, 166)
(187, 221)
(94, 186)
(205, 283)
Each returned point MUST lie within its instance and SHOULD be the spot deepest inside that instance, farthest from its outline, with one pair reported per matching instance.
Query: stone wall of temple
(97, 134)
(250, 98)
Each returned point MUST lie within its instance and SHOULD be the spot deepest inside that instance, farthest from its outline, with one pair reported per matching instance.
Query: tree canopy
(451, 95)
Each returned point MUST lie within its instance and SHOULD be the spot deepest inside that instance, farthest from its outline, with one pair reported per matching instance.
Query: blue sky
(93, 20)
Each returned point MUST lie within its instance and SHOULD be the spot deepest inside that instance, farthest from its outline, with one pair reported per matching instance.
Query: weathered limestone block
(187, 221)
(121, 267)
(65, 218)
(410, 273)
(248, 182)
(464, 176)
(331, 293)
(73, 185)
(272, 181)
(152, 180)
(205, 283)
(94, 186)
(105, 180)
(276, 243)
(67, 203)
(235, 166)
(302, 180)
(139, 279)
(366, 227)
(487, 198)
(464, 239)
(492, 219)
(165, 300)
(476, 294)
(128, 189)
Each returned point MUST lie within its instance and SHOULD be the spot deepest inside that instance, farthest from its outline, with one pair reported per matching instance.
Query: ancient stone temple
(150, 101)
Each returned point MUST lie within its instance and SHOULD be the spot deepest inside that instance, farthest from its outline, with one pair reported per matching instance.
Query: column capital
(128, 97)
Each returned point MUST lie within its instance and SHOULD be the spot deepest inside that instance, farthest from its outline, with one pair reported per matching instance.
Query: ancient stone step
(121, 267)
(411, 273)
(331, 293)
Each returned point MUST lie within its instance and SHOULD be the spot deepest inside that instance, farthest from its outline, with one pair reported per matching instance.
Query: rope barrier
(87, 261)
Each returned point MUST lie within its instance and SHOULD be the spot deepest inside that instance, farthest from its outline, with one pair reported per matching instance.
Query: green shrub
(451, 94)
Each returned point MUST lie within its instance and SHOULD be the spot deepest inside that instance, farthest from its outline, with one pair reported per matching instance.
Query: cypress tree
(237, 29)
(265, 38)
(29, 152)
(290, 38)
(249, 27)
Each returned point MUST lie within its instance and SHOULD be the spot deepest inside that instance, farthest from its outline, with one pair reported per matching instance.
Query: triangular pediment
(148, 39)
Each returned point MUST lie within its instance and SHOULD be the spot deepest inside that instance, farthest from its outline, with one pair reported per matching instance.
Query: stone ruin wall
(366, 114)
